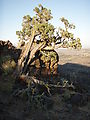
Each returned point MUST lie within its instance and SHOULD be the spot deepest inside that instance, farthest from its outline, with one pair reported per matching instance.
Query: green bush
(7, 64)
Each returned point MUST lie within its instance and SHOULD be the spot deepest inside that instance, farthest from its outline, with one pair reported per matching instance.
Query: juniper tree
(36, 34)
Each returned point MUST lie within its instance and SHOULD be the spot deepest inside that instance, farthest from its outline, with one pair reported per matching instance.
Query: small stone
(76, 99)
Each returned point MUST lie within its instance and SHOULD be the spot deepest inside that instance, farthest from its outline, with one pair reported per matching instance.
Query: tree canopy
(45, 31)
(39, 23)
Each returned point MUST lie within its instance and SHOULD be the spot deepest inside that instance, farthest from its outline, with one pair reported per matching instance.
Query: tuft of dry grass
(7, 64)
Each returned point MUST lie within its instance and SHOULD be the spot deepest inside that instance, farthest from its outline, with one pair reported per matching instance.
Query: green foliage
(43, 14)
(67, 24)
(47, 56)
(44, 31)
(76, 44)
(67, 38)
(38, 23)
(65, 33)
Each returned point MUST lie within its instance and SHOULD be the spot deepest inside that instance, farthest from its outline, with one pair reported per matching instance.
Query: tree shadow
(75, 73)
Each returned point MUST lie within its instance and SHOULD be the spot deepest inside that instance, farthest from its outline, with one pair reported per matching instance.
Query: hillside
(64, 103)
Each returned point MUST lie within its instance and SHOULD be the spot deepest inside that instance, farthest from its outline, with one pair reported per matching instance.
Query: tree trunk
(25, 53)
(32, 53)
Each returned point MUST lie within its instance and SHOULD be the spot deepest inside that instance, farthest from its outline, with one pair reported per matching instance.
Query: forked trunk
(27, 54)
(32, 53)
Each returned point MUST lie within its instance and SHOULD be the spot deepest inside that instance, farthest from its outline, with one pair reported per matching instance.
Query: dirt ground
(74, 65)
(81, 57)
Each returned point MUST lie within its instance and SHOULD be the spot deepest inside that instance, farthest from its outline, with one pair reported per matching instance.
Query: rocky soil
(64, 103)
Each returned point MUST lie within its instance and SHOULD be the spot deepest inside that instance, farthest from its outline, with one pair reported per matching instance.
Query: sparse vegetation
(32, 83)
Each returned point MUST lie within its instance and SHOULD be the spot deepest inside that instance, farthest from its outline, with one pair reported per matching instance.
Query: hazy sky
(76, 11)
